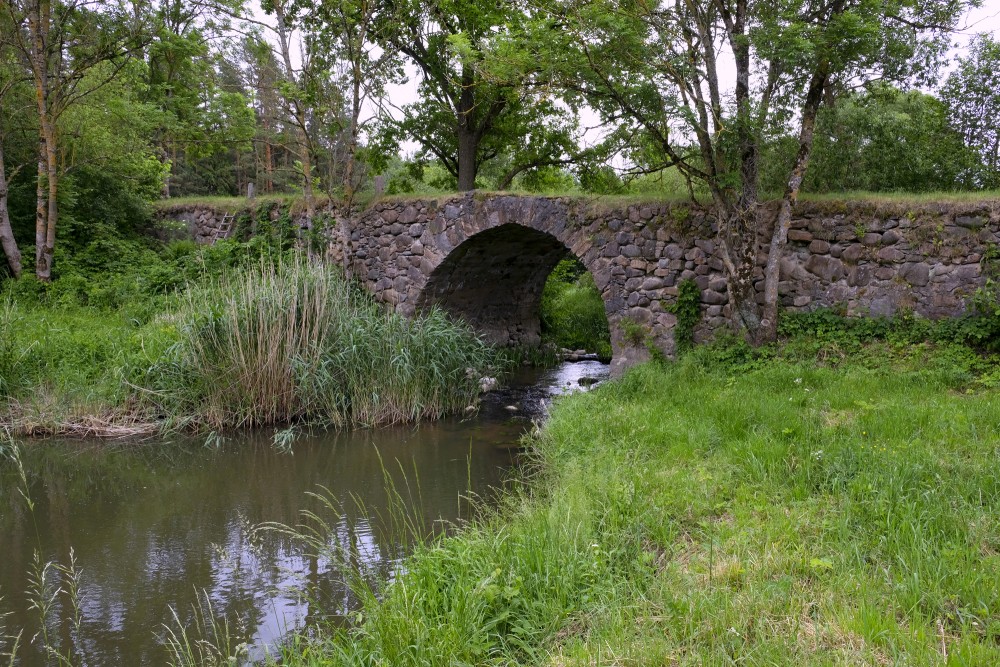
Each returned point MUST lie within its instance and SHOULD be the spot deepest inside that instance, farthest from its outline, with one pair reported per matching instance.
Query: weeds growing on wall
(687, 310)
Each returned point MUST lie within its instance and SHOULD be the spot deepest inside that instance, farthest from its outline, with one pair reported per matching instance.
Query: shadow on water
(152, 526)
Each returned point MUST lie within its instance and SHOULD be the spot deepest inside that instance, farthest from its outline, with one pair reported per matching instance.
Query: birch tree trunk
(7, 240)
(779, 236)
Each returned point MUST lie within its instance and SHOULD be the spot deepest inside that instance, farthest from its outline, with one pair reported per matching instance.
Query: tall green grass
(277, 343)
(725, 510)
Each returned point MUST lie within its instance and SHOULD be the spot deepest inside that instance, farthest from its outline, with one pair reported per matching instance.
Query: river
(160, 527)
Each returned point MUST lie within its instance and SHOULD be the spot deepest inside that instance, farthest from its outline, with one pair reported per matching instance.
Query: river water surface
(156, 528)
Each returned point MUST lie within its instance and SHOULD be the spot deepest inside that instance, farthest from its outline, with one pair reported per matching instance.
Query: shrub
(281, 342)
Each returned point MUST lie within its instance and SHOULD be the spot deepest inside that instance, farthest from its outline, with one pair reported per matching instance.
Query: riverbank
(834, 501)
(272, 342)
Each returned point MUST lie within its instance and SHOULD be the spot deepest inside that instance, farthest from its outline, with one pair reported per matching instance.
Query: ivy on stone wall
(687, 310)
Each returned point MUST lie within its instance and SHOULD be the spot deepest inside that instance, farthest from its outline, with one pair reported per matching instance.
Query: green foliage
(572, 310)
(881, 139)
(972, 97)
(475, 100)
(824, 327)
(277, 343)
(634, 332)
(986, 300)
(687, 310)
(785, 513)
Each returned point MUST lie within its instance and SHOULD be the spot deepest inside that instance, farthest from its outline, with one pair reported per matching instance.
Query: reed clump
(292, 341)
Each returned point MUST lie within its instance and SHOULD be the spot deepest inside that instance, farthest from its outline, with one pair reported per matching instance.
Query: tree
(294, 90)
(341, 36)
(972, 95)
(8, 80)
(655, 68)
(884, 139)
(60, 43)
(478, 94)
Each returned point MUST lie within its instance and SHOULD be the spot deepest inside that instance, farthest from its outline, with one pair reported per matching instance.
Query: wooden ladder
(225, 228)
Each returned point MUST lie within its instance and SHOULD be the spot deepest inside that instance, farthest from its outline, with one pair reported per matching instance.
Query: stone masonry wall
(864, 258)
(197, 222)
(204, 223)
(485, 258)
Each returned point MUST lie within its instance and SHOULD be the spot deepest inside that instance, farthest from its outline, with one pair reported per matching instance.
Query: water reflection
(151, 525)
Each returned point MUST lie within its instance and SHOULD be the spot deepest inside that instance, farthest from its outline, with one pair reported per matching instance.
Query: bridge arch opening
(494, 280)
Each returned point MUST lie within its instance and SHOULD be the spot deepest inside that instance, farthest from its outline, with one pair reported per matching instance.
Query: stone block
(713, 298)
(891, 237)
(859, 276)
(852, 253)
(408, 216)
(917, 274)
(891, 254)
(800, 235)
(971, 221)
(673, 251)
(819, 247)
(829, 269)
(718, 284)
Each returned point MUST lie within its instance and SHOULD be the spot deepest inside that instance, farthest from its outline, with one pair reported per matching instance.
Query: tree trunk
(40, 204)
(43, 264)
(352, 140)
(468, 136)
(46, 205)
(7, 239)
(268, 165)
(742, 224)
(742, 252)
(305, 159)
(779, 236)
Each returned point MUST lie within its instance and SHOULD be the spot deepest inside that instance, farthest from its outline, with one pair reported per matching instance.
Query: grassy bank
(804, 506)
(275, 341)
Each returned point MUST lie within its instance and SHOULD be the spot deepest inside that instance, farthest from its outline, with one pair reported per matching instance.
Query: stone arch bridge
(485, 258)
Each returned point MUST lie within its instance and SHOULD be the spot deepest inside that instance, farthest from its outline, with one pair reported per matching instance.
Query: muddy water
(155, 528)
